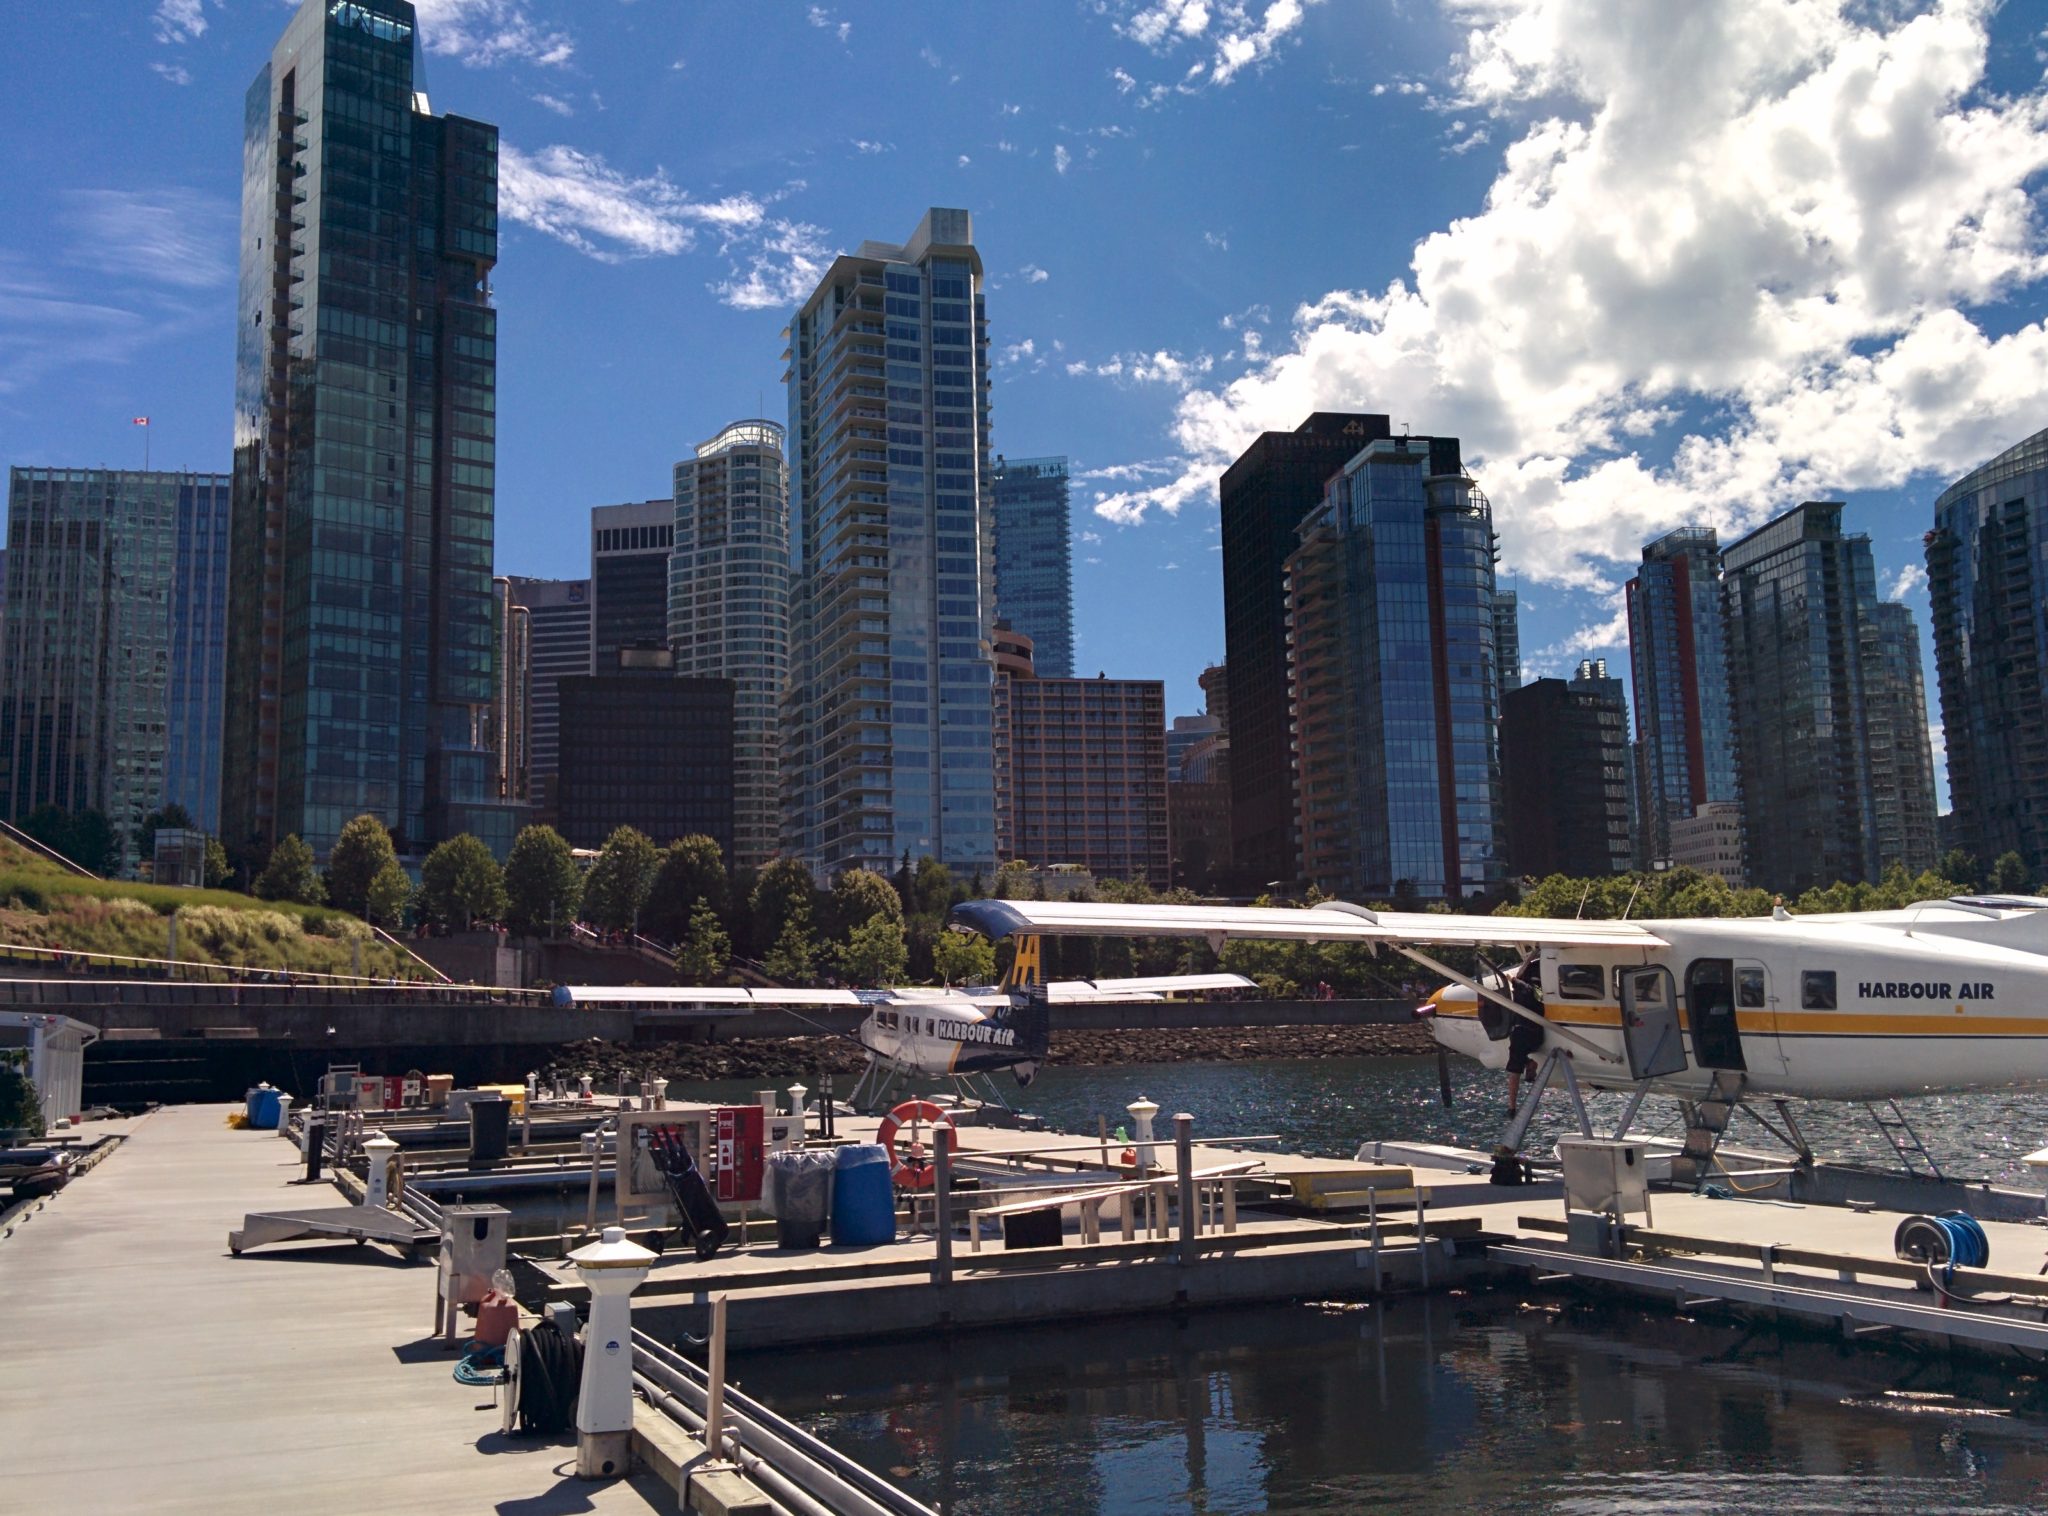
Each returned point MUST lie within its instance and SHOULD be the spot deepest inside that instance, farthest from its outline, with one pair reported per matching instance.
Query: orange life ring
(913, 1170)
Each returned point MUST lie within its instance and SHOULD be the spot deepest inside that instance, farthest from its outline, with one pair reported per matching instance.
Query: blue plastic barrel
(255, 1093)
(263, 1111)
(863, 1196)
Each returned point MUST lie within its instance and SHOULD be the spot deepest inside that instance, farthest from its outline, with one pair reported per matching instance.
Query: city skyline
(1652, 422)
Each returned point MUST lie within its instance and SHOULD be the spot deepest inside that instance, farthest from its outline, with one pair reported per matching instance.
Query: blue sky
(1654, 263)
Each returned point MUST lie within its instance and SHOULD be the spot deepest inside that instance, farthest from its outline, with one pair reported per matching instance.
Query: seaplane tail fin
(1031, 1020)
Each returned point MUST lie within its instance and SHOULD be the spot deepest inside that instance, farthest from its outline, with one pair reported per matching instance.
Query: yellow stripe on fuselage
(1961, 1022)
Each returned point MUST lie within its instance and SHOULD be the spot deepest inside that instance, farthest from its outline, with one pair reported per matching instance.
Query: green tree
(620, 879)
(2009, 876)
(174, 816)
(875, 953)
(20, 1111)
(692, 870)
(792, 961)
(778, 890)
(1961, 867)
(290, 875)
(361, 853)
(860, 895)
(543, 886)
(217, 869)
(705, 956)
(461, 883)
(386, 899)
(958, 958)
(932, 890)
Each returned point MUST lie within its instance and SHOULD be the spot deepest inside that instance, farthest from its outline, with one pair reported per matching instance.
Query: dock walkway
(145, 1369)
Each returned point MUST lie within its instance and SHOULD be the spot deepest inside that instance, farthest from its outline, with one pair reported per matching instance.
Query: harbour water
(1452, 1405)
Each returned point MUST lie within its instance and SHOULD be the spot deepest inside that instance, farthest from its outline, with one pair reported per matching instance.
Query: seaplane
(923, 1035)
(1946, 995)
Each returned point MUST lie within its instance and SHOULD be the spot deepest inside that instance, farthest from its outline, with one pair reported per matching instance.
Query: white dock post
(583, 1092)
(796, 1109)
(612, 1269)
(1142, 1111)
(377, 1158)
(284, 1117)
(660, 1094)
(1184, 1157)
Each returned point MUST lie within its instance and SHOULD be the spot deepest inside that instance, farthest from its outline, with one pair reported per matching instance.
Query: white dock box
(1611, 1177)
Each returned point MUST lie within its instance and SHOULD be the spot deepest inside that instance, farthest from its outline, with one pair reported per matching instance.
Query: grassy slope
(42, 906)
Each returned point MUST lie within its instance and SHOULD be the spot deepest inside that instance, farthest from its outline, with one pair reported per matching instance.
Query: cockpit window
(1580, 981)
(1817, 990)
(1749, 989)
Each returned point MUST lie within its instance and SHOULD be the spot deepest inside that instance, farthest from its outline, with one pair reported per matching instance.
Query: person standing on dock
(1525, 1037)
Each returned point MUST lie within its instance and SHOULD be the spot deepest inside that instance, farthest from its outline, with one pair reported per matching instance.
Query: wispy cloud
(484, 33)
(1151, 468)
(1031, 273)
(865, 146)
(45, 328)
(783, 266)
(1911, 578)
(821, 18)
(179, 20)
(175, 237)
(1160, 367)
(1236, 34)
(175, 72)
(1061, 158)
(555, 103)
(1217, 241)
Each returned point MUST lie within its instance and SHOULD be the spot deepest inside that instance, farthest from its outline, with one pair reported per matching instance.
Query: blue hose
(476, 1366)
(1968, 1247)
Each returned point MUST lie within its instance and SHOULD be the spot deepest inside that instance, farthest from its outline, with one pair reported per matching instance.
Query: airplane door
(1649, 1023)
(1710, 1013)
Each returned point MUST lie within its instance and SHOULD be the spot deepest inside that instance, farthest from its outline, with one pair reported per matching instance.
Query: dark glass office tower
(1393, 691)
(1678, 653)
(1035, 559)
(359, 651)
(1564, 755)
(1832, 788)
(629, 568)
(1987, 571)
(1265, 495)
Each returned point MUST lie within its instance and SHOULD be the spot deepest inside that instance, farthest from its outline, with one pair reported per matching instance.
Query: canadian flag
(142, 421)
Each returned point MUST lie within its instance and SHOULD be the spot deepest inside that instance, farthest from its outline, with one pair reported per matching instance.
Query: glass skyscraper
(629, 551)
(1837, 777)
(1987, 573)
(1035, 559)
(359, 634)
(110, 666)
(728, 609)
(1393, 686)
(559, 642)
(889, 714)
(1678, 654)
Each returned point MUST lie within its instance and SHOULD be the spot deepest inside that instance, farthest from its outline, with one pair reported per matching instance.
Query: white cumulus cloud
(483, 33)
(178, 20)
(1737, 254)
(1236, 34)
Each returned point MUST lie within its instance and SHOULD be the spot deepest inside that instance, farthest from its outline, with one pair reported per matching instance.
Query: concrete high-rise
(728, 609)
(1265, 494)
(1035, 558)
(511, 694)
(1507, 640)
(629, 553)
(560, 646)
(889, 712)
(1987, 573)
(1832, 788)
(111, 658)
(1393, 689)
(359, 633)
(1678, 655)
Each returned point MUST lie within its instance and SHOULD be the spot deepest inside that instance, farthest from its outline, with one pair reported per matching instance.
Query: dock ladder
(1706, 1123)
(1898, 1131)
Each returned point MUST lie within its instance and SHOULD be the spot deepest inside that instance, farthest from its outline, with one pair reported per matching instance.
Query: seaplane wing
(1084, 991)
(1333, 921)
(696, 994)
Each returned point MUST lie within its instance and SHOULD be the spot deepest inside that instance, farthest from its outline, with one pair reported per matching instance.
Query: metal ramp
(358, 1223)
(1706, 1123)
(1898, 1131)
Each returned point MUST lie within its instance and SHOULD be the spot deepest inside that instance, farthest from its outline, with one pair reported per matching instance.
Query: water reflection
(1445, 1405)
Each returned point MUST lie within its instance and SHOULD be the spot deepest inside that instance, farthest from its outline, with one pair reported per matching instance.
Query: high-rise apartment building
(111, 657)
(1564, 759)
(1828, 794)
(1198, 790)
(889, 729)
(1265, 494)
(1507, 640)
(560, 646)
(1987, 572)
(1678, 654)
(629, 553)
(1035, 558)
(1394, 693)
(1185, 732)
(511, 694)
(359, 630)
(728, 608)
(1085, 781)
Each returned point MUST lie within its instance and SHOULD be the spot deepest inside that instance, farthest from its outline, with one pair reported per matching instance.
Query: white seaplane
(1869, 1007)
(921, 1034)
